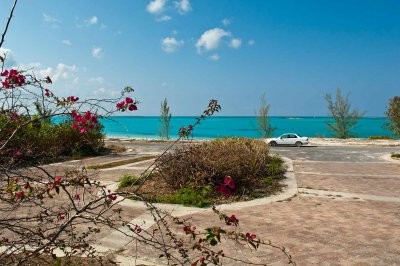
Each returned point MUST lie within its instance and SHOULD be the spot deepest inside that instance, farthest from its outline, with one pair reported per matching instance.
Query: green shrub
(396, 155)
(187, 197)
(127, 180)
(246, 161)
(380, 137)
(38, 140)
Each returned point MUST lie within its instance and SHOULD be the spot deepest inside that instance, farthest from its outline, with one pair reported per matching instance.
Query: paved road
(336, 153)
(311, 153)
(346, 211)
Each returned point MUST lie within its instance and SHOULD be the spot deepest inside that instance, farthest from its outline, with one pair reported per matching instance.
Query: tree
(165, 120)
(264, 127)
(393, 114)
(345, 118)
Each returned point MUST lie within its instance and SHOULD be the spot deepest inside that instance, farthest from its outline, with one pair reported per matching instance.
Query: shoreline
(312, 141)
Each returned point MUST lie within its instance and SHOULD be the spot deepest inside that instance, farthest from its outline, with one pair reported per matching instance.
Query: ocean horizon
(148, 127)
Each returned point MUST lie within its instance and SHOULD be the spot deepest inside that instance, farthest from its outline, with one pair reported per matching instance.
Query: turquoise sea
(213, 127)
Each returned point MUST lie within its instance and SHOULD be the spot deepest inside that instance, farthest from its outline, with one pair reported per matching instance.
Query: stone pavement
(346, 212)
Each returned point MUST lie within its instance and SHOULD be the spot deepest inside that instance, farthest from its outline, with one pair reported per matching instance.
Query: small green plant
(165, 119)
(380, 137)
(127, 180)
(396, 155)
(345, 118)
(264, 127)
(187, 197)
(275, 166)
(393, 115)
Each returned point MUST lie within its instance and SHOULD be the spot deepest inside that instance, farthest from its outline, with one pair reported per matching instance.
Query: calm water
(148, 127)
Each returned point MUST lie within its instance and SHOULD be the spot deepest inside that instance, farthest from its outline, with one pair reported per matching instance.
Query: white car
(288, 139)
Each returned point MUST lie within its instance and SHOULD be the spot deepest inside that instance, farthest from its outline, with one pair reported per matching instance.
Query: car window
(284, 136)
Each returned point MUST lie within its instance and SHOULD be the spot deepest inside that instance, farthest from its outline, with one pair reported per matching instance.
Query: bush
(380, 137)
(396, 155)
(36, 140)
(195, 167)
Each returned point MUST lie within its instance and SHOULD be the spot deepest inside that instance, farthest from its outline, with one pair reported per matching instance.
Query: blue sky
(233, 50)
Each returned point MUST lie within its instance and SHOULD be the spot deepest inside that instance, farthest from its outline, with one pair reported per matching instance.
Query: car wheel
(273, 143)
(298, 144)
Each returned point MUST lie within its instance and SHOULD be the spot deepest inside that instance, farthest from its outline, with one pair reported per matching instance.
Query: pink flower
(74, 113)
(13, 72)
(75, 125)
(189, 230)
(120, 105)
(251, 236)
(83, 130)
(47, 92)
(27, 185)
(48, 80)
(57, 179)
(77, 197)
(128, 100)
(229, 182)
(233, 219)
(18, 154)
(19, 194)
(223, 189)
(132, 107)
(94, 119)
(88, 115)
(5, 73)
(138, 229)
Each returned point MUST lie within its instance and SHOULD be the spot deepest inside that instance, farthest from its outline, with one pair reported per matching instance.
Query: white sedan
(288, 139)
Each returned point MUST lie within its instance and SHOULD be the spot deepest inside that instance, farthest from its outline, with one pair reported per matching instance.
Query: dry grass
(246, 161)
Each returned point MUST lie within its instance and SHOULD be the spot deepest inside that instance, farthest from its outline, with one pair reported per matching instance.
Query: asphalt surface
(348, 153)
(336, 153)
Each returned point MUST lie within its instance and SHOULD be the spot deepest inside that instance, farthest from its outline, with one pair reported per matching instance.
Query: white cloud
(235, 43)
(210, 39)
(98, 80)
(214, 57)
(97, 52)
(50, 19)
(92, 21)
(9, 55)
(226, 22)
(66, 42)
(61, 71)
(251, 42)
(170, 44)
(164, 18)
(103, 26)
(104, 91)
(156, 6)
(29, 66)
(183, 6)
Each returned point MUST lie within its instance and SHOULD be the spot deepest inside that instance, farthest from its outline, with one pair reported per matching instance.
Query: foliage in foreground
(345, 118)
(44, 210)
(246, 162)
(393, 114)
